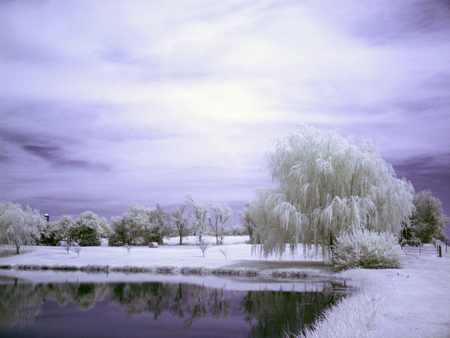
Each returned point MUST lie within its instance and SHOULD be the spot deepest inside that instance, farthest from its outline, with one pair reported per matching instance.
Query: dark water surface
(155, 309)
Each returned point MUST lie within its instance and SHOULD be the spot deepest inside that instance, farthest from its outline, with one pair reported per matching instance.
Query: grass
(351, 316)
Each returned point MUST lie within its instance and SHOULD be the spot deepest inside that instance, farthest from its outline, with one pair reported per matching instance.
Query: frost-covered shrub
(367, 249)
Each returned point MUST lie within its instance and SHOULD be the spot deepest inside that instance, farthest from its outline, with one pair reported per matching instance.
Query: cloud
(113, 93)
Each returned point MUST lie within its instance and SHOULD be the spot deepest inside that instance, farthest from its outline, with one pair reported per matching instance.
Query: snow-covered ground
(416, 298)
(238, 255)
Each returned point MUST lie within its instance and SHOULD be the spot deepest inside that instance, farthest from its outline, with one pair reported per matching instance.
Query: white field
(412, 302)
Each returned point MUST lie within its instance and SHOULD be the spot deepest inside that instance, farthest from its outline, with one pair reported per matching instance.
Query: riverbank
(410, 302)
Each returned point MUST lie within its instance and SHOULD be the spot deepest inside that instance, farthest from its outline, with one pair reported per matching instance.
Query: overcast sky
(105, 103)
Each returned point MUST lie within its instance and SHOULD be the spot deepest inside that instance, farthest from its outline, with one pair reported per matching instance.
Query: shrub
(367, 249)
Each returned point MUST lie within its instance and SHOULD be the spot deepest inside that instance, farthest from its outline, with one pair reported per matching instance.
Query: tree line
(326, 187)
(139, 225)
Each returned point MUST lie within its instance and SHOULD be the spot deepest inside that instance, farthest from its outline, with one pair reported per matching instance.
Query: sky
(105, 103)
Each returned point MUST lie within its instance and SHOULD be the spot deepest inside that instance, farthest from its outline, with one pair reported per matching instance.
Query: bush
(367, 249)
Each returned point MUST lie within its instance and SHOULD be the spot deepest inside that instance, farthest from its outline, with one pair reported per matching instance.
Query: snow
(417, 297)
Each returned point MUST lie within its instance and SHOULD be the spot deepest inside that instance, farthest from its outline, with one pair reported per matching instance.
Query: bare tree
(128, 248)
(181, 221)
(200, 215)
(77, 249)
(224, 251)
(203, 246)
(247, 221)
(221, 214)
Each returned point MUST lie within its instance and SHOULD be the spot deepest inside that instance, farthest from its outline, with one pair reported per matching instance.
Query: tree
(222, 214)
(139, 226)
(326, 186)
(180, 221)
(200, 215)
(247, 221)
(86, 231)
(119, 232)
(19, 227)
(137, 223)
(428, 220)
(104, 229)
(159, 225)
(54, 232)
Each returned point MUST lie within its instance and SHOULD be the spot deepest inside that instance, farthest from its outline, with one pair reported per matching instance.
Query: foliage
(222, 214)
(235, 231)
(140, 225)
(119, 232)
(327, 185)
(86, 231)
(428, 220)
(104, 229)
(200, 215)
(248, 222)
(367, 249)
(137, 224)
(19, 227)
(54, 232)
(159, 226)
(180, 221)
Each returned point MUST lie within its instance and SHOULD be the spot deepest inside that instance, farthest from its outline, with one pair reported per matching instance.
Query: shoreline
(413, 301)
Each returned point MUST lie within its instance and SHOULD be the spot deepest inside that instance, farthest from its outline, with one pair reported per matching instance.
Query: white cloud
(133, 85)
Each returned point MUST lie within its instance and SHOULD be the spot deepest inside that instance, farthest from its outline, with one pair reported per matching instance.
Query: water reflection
(263, 313)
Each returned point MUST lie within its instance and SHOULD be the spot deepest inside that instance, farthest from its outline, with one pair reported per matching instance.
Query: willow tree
(327, 185)
(18, 226)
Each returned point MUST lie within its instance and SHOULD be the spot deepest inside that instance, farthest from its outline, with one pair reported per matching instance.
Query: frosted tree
(104, 229)
(19, 227)
(221, 215)
(62, 228)
(200, 215)
(247, 221)
(326, 186)
(119, 232)
(57, 231)
(136, 221)
(159, 225)
(428, 220)
(181, 221)
(86, 230)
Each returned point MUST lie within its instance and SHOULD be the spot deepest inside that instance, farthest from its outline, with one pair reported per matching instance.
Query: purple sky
(105, 103)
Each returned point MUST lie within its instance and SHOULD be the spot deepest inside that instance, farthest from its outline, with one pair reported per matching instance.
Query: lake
(160, 309)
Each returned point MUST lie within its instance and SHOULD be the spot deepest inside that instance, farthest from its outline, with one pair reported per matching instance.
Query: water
(155, 309)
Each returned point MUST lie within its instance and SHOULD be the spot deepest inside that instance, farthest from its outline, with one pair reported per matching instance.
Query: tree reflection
(272, 313)
(180, 300)
(267, 313)
(19, 303)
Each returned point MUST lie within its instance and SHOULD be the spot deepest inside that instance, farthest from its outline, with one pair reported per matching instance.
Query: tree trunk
(17, 248)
